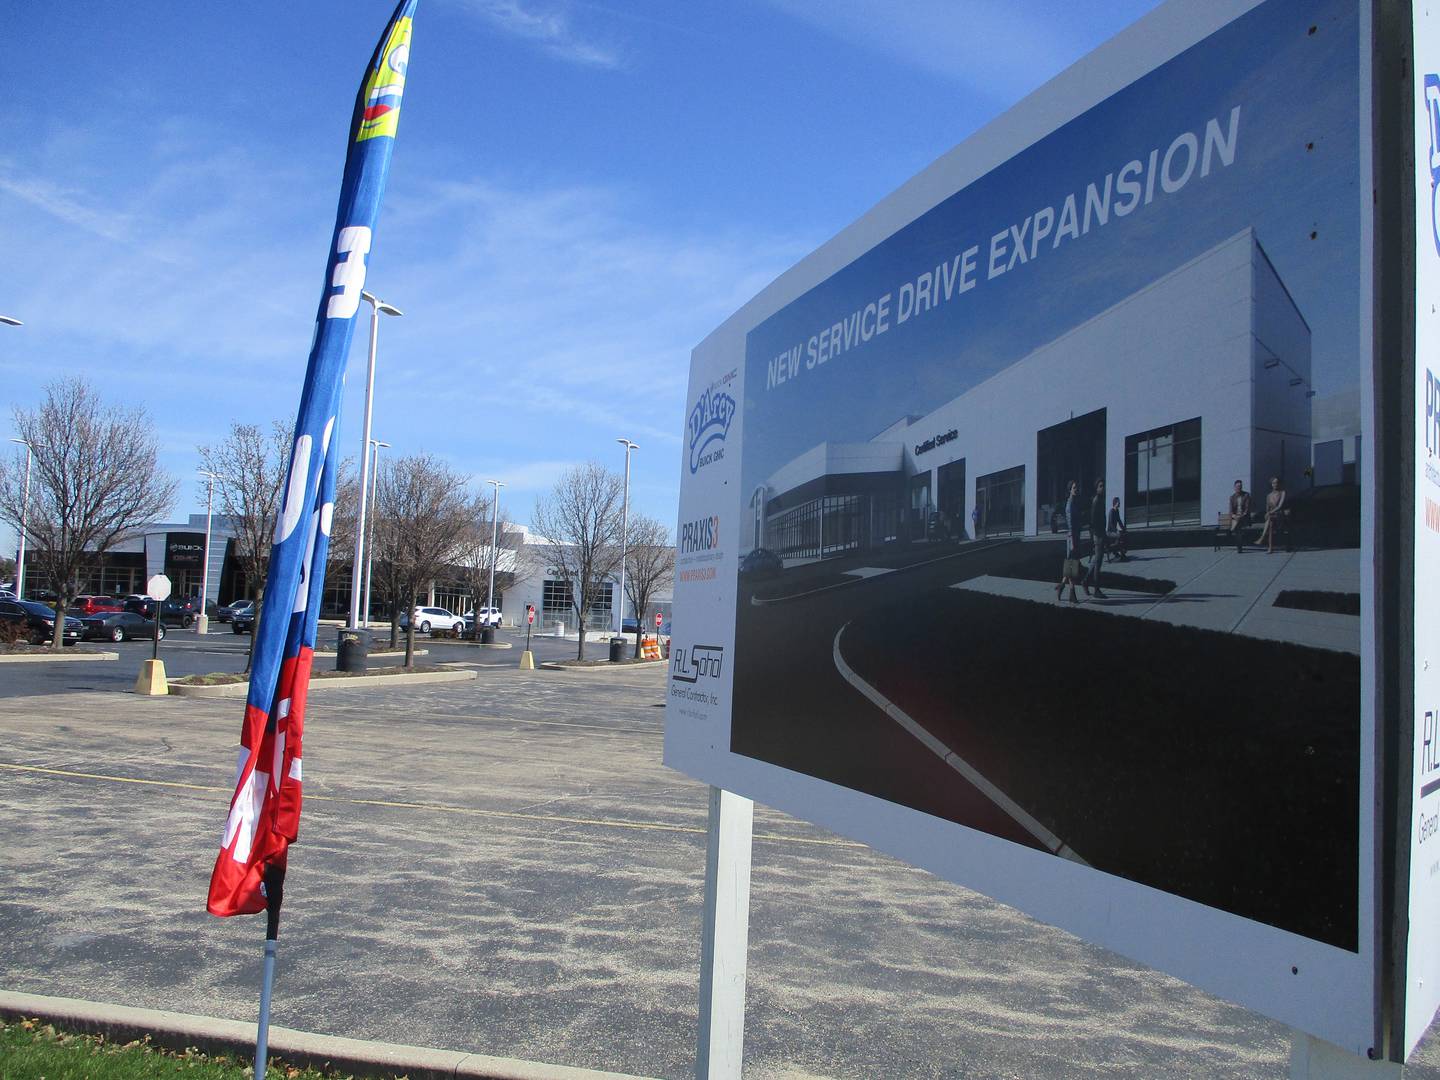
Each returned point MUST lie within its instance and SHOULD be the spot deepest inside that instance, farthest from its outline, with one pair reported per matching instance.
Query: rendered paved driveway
(504, 867)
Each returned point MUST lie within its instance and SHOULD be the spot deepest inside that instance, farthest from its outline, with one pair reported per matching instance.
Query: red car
(94, 605)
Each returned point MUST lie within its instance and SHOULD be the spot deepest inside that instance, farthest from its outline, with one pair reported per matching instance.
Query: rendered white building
(1197, 380)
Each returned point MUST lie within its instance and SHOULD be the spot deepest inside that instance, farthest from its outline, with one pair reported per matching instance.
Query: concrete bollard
(151, 681)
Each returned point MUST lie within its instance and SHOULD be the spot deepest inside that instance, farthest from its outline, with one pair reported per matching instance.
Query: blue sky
(580, 192)
(1295, 174)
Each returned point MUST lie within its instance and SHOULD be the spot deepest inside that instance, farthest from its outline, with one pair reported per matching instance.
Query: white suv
(431, 618)
(489, 616)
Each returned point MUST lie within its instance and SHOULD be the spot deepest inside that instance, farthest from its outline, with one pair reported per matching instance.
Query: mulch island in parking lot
(220, 678)
(599, 663)
(25, 651)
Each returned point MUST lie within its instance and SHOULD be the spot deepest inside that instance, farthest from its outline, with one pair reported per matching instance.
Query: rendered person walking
(1097, 540)
(1069, 571)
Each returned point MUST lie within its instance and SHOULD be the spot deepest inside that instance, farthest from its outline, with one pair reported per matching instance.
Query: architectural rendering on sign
(1041, 516)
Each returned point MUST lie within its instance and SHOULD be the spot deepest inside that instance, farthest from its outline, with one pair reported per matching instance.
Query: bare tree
(249, 468)
(649, 566)
(341, 551)
(473, 557)
(421, 508)
(94, 481)
(580, 521)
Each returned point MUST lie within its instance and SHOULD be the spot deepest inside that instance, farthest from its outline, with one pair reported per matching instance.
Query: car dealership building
(1197, 380)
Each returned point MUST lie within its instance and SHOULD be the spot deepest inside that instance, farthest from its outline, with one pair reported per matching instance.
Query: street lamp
(494, 551)
(624, 538)
(377, 308)
(24, 516)
(202, 620)
(370, 540)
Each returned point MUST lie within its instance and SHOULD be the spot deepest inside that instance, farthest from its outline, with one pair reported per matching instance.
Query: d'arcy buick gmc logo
(702, 535)
(1432, 115)
(697, 662)
(707, 427)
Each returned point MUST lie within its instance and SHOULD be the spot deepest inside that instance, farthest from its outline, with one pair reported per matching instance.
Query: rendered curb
(241, 689)
(37, 658)
(178, 1031)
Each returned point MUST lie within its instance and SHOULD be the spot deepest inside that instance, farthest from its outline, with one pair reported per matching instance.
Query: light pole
(370, 540)
(24, 516)
(624, 540)
(202, 620)
(494, 551)
(377, 308)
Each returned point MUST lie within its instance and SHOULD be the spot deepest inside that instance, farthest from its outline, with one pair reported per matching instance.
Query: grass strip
(34, 1050)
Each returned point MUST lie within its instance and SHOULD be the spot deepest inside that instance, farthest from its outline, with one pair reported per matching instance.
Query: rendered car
(37, 621)
(431, 618)
(760, 562)
(119, 626)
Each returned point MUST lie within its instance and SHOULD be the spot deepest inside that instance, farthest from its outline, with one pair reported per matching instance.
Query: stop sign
(158, 587)
(529, 613)
(657, 620)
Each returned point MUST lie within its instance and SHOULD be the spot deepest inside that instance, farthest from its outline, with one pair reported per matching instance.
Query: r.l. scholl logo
(1432, 116)
(700, 535)
(708, 425)
(696, 662)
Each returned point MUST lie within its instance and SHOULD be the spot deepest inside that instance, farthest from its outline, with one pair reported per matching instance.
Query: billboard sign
(1028, 576)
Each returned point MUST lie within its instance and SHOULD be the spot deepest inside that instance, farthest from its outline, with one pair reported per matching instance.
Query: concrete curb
(37, 658)
(230, 690)
(331, 654)
(178, 1031)
(643, 665)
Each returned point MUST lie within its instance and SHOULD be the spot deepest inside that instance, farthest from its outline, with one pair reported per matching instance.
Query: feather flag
(265, 810)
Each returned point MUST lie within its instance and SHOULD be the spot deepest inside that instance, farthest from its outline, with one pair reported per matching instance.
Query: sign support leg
(725, 937)
(1315, 1059)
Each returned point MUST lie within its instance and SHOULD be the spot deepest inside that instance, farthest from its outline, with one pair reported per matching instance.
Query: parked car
(243, 622)
(226, 612)
(119, 626)
(37, 621)
(93, 605)
(431, 618)
(172, 612)
(489, 616)
(212, 609)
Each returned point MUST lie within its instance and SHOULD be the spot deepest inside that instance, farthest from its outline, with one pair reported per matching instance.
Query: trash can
(352, 651)
(487, 636)
(617, 649)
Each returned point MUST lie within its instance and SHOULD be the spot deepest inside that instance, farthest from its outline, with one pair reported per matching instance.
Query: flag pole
(274, 894)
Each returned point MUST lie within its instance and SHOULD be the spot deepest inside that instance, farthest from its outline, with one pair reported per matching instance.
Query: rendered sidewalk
(181, 1030)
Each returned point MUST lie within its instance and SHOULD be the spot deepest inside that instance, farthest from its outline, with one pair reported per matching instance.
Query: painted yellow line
(605, 823)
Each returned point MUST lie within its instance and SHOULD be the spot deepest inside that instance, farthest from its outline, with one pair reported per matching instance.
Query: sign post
(527, 658)
(151, 681)
(723, 946)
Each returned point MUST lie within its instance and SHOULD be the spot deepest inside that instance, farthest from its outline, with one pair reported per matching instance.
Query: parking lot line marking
(557, 819)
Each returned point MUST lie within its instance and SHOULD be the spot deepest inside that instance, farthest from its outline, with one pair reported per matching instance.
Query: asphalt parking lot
(503, 866)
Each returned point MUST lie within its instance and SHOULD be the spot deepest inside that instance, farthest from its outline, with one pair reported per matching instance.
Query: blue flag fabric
(265, 809)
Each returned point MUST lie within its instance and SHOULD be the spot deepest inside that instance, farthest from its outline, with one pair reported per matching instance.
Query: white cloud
(550, 27)
(997, 48)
